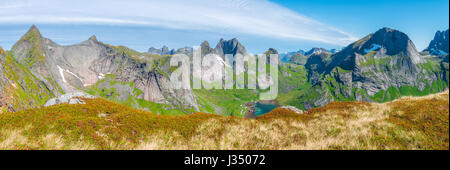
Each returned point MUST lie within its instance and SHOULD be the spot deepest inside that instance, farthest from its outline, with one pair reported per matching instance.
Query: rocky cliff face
(382, 66)
(163, 51)
(20, 88)
(206, 48)
(76, 67)
(31, 52)
(223, 48)
(440, 44)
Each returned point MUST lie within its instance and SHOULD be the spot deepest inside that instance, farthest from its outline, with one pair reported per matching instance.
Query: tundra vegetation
(406, 123)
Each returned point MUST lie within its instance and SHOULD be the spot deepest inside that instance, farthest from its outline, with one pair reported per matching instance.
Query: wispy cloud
(257, 17)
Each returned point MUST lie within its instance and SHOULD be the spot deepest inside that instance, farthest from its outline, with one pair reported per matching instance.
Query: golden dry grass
(407, 123)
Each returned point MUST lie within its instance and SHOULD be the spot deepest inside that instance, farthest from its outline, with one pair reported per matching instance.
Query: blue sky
(287, 25)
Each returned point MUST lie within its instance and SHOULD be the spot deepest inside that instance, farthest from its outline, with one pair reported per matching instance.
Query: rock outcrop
(163, 51)
(232, 47)
(69, 98)
(286, 57)
(292, 108)
(20, 88)
(301, 58)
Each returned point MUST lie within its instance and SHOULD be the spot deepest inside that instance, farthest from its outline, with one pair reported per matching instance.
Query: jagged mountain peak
(33, 34)
(371, 66)
(232, 47)
(316, 50)
(205, 44)
(440, 43)
(271, 51)
(393, 41)
(386, 43)
(233, 42)
(387, 33)
(93, 38)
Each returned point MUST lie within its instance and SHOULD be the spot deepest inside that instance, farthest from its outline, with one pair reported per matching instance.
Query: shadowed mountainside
(380, 67)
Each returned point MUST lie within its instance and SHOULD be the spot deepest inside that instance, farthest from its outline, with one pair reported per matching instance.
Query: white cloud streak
(256, 17)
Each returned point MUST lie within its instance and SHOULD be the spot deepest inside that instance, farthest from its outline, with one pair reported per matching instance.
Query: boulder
(70, 98)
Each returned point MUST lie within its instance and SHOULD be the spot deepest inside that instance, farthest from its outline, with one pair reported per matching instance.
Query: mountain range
(380, 67)
(46, 69)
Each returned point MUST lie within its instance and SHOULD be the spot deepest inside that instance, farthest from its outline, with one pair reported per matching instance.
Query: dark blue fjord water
(261, 108)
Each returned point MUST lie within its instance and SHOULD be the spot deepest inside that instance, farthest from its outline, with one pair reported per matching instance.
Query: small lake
(262, 108)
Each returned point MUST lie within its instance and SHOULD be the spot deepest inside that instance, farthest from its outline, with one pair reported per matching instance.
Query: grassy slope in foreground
(407, 123)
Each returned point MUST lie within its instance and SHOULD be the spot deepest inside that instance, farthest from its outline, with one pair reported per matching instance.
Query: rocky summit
(439, 45)
(232, 47)
(380, 67)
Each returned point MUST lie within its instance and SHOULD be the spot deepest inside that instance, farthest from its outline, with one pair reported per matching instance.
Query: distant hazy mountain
(232, 47)
(439, 45)
(163, 51)
(20, 88)
(300, 57)
(286, 57)
(166, 51)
